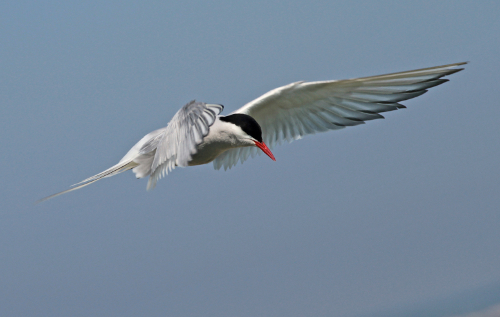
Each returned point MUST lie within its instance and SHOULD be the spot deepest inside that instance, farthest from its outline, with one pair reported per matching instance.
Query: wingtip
(456, 64)
(455, 70)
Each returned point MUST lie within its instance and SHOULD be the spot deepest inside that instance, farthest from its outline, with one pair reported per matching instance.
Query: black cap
(246, 123)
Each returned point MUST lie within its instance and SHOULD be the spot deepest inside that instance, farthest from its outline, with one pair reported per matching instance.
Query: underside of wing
(179, 140)
(231, 157)
(290, 112)
(161, 150)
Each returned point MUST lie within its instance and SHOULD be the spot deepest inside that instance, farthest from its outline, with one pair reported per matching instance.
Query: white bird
(198, 134)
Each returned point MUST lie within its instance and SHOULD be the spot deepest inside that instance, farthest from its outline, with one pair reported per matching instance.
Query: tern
(198, 134)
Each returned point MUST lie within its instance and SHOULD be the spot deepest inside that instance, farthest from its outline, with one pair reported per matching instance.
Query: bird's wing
(162, 149)
(290, 112)
(176, 144)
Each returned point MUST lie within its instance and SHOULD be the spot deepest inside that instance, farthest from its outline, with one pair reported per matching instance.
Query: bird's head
(251, 133)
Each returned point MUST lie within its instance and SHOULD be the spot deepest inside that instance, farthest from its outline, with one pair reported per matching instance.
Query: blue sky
(392, 215)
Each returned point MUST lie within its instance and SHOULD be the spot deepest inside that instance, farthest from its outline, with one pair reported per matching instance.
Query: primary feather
(290, 112)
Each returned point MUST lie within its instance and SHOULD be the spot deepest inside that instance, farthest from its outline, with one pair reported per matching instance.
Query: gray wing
(176, 144)
(290, 112)
(161, 150)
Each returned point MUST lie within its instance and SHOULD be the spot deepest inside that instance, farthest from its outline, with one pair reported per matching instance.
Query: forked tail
(112, 171)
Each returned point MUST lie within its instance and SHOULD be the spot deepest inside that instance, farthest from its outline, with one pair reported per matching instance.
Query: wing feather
(290, 112)
(179, 140)
(157, 153)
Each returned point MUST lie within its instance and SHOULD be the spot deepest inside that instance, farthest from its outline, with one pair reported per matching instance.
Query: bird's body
(198, 134)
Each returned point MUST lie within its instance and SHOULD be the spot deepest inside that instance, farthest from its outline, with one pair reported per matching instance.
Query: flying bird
(198, 133)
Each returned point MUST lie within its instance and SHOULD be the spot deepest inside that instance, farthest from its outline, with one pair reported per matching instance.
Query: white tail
(112, 171)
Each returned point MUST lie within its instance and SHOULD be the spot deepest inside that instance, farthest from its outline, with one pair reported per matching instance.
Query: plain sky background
(394, 214)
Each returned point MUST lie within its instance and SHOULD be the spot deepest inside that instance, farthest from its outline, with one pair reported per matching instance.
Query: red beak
(265, 149)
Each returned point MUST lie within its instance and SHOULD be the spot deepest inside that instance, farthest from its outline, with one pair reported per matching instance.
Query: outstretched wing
(176, 144)
(290, 112)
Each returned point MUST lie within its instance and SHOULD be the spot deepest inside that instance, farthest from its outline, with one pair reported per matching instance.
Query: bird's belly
(207, 152)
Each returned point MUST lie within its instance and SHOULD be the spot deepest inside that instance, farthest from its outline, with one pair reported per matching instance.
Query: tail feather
(114, 170)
